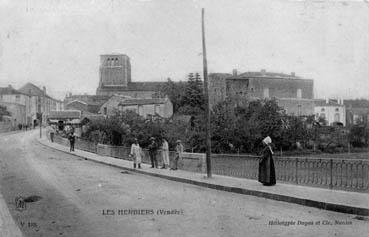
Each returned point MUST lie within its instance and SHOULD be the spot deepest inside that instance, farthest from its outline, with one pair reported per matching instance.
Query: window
(337, 109)
(105, 110)
(337, 117)
(322, 110)
(17, 98)
(322, 115)
(266, 93)
(299, 93)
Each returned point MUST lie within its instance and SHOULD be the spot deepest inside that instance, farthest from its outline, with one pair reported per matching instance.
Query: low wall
(194, 162)
(342, 174)
(6, 126)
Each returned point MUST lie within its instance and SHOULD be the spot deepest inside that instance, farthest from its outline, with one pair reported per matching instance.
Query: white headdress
(267, 140)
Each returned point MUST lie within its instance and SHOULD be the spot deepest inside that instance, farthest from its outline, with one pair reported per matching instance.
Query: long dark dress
(266, 168)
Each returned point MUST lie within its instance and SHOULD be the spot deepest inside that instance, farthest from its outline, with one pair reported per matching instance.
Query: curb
(278, 197)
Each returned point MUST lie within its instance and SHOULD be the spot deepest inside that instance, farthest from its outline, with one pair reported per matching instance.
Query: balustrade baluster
(330, 173)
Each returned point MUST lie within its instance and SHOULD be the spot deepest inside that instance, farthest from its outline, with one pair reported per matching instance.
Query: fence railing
(342, 174)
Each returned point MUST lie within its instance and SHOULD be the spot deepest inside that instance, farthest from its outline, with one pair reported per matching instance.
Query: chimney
(44, 89)
(234, 72)
(341, 101)
(263, 70)
(326, 100)
(10, 86)
(293, 74)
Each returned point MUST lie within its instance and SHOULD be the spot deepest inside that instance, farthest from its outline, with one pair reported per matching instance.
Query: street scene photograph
(188, 118)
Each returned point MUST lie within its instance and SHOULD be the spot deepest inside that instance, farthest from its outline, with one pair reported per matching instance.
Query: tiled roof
(145, 86)
(33, 90)
(65, 114)
(77, 101)
(143, 101)
(9, 91)
(321, 102)
(267, 74)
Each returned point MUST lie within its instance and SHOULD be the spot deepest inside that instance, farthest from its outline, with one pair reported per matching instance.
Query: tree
(194, 92)
(359, 135)
(175, 92)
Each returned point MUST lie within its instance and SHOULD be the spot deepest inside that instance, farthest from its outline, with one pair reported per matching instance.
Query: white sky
(57, 43)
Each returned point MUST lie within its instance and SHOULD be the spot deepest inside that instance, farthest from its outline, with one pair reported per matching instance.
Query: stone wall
(6, 126)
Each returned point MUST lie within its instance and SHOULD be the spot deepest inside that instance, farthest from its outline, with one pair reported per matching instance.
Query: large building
(294, 94)
(115, 78)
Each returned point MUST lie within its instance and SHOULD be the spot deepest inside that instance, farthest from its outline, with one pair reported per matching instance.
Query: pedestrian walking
(153, 148)
(72, 140)
(266, 164)
(165, 154)
(52, 133)
(179, 151)
(136, 154)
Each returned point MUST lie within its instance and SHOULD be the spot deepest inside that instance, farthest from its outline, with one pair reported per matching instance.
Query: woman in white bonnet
(266, 164)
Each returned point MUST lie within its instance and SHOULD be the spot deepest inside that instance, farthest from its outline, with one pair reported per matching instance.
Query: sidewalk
(333, 200)
(8, 228)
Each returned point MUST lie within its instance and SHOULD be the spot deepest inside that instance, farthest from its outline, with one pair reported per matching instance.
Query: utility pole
(207, 106)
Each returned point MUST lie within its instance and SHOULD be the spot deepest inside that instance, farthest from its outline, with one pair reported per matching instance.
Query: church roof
(143, 101)
(145, 86)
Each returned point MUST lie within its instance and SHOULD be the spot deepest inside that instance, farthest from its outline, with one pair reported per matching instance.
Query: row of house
(28, 103)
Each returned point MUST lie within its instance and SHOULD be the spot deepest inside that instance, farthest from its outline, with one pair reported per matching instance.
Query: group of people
(266, 164)
(154, 149)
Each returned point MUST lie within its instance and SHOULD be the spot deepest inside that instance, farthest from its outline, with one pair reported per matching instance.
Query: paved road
(76, 196)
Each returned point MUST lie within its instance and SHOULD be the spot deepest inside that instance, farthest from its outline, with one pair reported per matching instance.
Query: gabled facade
(333, 111)
(161, 107)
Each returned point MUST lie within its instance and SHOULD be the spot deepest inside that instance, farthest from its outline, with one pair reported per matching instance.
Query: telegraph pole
(207, 106)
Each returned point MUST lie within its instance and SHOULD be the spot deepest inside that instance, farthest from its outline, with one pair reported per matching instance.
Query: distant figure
(52, 133)
(179, 151)
(266, 164)
(136, 154)
(72, 140)
(165, 154)
(153, 147)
